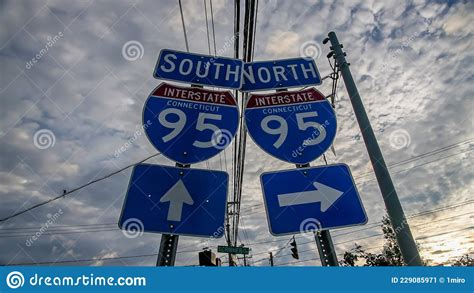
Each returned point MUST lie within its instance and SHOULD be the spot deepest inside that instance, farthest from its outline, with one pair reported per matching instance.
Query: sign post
(168, 245)
(397, 217)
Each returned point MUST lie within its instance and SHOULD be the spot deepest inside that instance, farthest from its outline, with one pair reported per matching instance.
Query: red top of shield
(194, 94)
(285, 98)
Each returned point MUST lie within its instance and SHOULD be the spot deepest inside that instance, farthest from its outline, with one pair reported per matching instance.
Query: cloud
(411, 63)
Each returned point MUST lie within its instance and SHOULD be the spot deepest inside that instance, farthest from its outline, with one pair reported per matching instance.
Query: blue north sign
(279, 74)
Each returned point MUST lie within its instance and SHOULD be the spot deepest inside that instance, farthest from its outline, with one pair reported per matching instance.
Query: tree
(390, 255)
(464, 261)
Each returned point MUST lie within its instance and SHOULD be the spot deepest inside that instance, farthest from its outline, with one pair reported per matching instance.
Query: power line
(213, 28)
(155, 254)
(75, 189)
(415, 158)
(378, 223)
(58, 227)
(184, 26)
(207, 28)
(82, 260)
(423, 155)
(419, 238)
(425, 163)
(97, 227)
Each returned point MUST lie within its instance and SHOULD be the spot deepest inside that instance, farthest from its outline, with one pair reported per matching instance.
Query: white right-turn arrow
(323, 193)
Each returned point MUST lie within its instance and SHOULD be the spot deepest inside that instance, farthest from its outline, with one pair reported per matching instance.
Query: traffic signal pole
(397, 217)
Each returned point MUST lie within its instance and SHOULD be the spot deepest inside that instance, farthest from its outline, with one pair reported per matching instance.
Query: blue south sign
(293, 126)
(199, 69)
(190, 125)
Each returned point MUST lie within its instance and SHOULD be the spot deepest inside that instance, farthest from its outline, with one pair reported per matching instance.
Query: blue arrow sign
(296, 127)
(279, 74)
(172, 200)
(190, 125)
(199, 69)
(310, 199)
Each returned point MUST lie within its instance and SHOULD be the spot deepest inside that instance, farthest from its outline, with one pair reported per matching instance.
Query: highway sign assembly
(311, 199)
(279, 74)
(190, 125)
(178, 201)
(293, 126)
(199, 69)
(233, 249)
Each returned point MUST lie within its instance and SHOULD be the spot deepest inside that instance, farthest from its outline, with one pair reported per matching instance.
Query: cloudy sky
(72, 96)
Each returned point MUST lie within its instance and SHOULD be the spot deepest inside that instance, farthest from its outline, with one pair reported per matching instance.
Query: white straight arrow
(177, 196)
(323, 193)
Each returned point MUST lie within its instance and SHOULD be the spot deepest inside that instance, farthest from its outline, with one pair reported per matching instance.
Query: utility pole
(271, 259)
(227, 226)
(405, 239)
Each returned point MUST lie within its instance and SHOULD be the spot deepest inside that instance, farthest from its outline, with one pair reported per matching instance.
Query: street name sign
(190, 125)
(173, 200)
(311, 199)
(233, 249)
(293, 126)
(279, 74)
(199, 69)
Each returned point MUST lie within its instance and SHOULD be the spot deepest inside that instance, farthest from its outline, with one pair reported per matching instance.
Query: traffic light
(208, 258)
(294, 249)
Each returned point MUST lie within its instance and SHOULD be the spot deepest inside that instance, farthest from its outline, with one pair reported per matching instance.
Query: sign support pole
(323, 239)
(326, 248)
(395, 212)
(168, 244)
